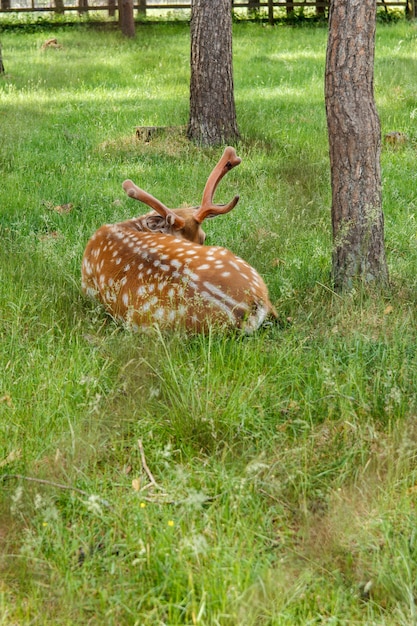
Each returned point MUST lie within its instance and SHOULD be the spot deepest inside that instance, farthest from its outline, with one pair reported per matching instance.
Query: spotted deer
(154, 269)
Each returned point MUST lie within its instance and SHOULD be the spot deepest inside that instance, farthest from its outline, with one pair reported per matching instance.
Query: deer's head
(185, 223)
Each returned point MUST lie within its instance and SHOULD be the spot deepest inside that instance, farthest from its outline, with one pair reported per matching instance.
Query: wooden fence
(161, 7)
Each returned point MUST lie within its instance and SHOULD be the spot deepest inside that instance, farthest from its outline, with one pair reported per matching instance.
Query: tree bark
(253, 8)
(142, 8)
(289, 7)
(126, 18)
(112, 8)
(271, 12)
(355, 145)
(82, 6)
(411, 9)
(212, 106)
(59, 7)
(320, 8)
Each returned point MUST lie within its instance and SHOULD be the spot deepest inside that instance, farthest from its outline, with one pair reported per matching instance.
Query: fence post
(271, 12)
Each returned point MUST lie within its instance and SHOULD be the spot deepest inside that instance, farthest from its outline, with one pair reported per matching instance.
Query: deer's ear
(158, 224)
(175, 221)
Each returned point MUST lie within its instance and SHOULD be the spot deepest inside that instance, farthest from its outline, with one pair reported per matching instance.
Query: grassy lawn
(215, 480)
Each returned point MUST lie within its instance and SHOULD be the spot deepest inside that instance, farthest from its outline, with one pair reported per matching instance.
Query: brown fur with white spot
(154, 269)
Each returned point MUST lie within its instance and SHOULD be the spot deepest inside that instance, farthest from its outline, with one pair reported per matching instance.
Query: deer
(155, 269)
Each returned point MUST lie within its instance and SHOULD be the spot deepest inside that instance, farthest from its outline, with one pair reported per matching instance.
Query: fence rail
(153, 6)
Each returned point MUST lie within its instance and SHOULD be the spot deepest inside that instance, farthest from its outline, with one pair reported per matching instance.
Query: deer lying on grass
(154, 269)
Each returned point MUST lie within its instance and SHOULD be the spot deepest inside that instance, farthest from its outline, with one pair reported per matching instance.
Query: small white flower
(39, 501)
(16, 499)
(93, 505)
(195, 499)
(195, 543)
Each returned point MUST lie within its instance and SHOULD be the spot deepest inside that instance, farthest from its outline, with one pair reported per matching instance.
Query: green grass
(285, 462)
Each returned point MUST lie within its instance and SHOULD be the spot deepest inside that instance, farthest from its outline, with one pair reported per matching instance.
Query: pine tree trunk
(82, 6)
(253, 8)
(112, 8)
(126, 18)
(289, 7)
(355, 145)
(212, 106)
(59, 7)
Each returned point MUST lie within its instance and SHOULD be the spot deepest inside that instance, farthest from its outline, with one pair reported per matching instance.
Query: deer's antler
(133, 191)
(228, 161)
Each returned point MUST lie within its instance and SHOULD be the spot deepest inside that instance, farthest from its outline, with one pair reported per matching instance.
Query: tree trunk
(5, 5)
(411, 9)
(126, 19)
(253, 8)
(59, 7)
(355, 145)
(320, 8)
(82, 6)
(289, 7)
(212, 106)
(112, 8)
(271, 12)
(142, 8)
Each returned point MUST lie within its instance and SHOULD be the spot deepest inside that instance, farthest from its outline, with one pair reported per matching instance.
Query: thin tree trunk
(82, 6)
(126, 18)
(355, 145)
(112, 8)
(271, 12)
(411, 9)
(289, 7)
(320, 8)
(212, 106)
(59, 7)
(253, 8)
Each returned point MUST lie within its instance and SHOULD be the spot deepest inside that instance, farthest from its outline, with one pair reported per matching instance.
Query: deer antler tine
(228, 161)
(212, 210)
(133, 191)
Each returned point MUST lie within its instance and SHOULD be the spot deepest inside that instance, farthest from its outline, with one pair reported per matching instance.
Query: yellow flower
(171, 522)
(142, 505)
